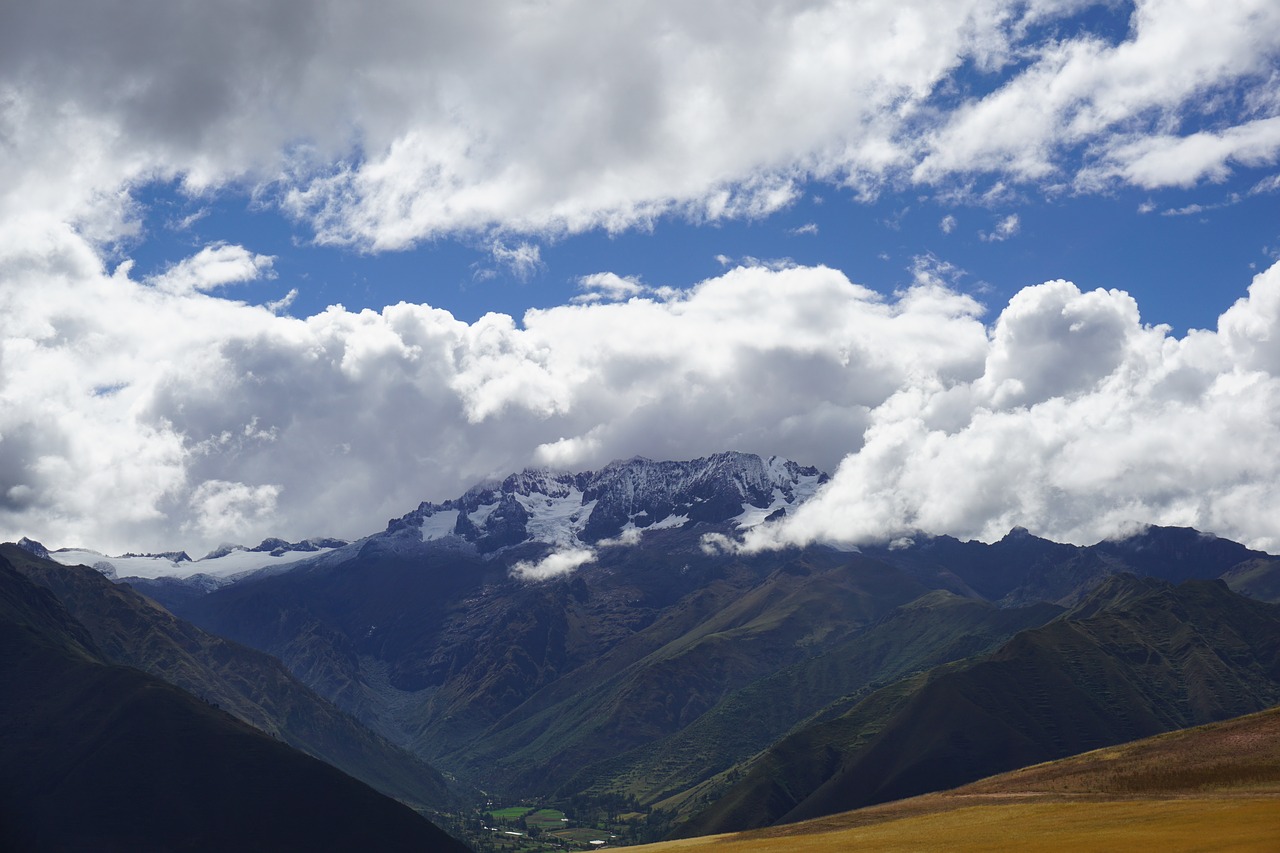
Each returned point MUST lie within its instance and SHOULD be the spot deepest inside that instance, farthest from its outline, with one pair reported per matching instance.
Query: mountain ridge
(128, 629)
(96, 756)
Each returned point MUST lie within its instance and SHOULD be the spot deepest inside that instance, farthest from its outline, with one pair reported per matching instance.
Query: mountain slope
(526, 683)
(130, 630)
(1148, 658)
(102, 757)
(933, 629)
(1021, 568)
(810, 600)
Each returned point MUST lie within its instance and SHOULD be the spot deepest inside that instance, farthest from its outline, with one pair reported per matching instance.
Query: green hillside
(1148, 658)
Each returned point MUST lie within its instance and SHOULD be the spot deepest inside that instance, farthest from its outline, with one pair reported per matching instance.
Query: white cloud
(1268, 184)
(522, 260)
(133, 416)
(554, 565)
(948, 224)
(348, 418)
(1147, 428)
(387, 125)
(214, 266)
(283, 303)
(223, 509)
(1005, 228)
(608, 286)
(133, 412)
(808, 228)
(1122, 100)
(1184, 161)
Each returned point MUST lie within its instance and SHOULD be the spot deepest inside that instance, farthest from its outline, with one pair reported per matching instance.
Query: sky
(288, 268)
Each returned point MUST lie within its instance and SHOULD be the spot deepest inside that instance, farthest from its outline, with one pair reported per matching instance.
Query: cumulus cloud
(1066, 414)
(389, 125)
(1108, 424)
(554, 565)
(947, 224)
(134, 414)
(214, 266)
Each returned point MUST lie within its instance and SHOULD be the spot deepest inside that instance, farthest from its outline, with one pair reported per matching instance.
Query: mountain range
(568, 638)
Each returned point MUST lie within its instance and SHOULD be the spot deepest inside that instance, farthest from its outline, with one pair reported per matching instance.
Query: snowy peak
(627, 495)
(224, 562)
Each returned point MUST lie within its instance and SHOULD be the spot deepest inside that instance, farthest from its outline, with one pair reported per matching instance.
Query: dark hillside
(106, 758)
(131, 630)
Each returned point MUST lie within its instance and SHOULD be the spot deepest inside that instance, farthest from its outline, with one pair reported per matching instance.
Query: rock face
(635, 494)
(31, 546)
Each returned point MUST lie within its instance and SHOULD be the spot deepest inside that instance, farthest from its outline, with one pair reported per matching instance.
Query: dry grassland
(1211, 788)
(1161, 826)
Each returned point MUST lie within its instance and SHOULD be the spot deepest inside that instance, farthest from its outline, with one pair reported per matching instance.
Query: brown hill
(1210, 787)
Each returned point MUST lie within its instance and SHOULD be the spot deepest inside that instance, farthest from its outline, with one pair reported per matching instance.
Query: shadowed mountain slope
(130, 630)
(101, 757)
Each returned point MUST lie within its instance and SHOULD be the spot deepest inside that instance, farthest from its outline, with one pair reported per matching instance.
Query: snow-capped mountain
(623, 497)
(562, 510)
(225, 562)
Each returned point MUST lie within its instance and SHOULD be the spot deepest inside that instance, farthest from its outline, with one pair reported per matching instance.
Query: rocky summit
(629, 495)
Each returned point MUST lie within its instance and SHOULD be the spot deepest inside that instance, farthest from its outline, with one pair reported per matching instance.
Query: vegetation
(1138, 657)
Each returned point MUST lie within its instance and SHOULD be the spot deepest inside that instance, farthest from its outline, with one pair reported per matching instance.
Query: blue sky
(1184, 267)
(283, 271)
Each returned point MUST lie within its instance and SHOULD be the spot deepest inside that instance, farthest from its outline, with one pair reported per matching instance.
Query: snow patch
(439, 525)
(233, 563)
(556, 520)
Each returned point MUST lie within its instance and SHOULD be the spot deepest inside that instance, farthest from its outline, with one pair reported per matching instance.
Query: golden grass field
(1212, 788)
(1209, 824)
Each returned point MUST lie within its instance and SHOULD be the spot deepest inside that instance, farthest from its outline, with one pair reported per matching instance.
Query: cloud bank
(136, 413)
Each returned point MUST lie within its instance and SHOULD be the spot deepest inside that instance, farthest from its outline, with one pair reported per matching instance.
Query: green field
(582, 835)
(546, 819)
(511, 813)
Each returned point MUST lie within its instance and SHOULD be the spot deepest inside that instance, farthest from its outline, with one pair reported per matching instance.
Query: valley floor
(1238, 822)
